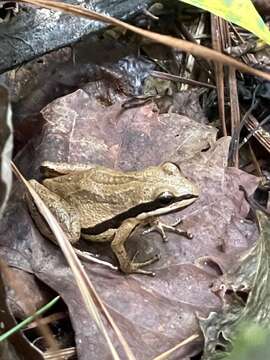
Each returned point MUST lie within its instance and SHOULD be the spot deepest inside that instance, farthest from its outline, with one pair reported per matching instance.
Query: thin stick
(188, 340)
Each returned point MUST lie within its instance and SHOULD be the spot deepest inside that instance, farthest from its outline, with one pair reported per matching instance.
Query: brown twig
(217, 45)
(194, 49)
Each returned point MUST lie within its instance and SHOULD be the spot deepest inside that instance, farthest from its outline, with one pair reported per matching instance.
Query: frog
(103, 204)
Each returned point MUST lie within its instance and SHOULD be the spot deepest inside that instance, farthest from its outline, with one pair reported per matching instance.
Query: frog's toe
(136, 267)
(161, 227)
(145, 272)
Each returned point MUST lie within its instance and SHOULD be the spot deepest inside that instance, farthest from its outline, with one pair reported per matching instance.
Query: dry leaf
(6, 145)
(245, 293)
(154, 314)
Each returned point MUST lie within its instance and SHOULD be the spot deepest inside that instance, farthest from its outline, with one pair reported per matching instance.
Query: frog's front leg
(126, 264)
(160, 227)
(66, 215)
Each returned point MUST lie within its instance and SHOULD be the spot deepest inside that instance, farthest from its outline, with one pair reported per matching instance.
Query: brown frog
(102, 204)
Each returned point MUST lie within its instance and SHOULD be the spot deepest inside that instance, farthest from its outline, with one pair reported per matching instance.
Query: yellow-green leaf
(240, 12)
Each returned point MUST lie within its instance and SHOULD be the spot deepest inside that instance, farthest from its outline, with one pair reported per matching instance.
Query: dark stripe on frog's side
(116, 221)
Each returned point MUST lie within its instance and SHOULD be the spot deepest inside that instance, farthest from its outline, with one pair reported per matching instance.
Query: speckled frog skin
(102, 204)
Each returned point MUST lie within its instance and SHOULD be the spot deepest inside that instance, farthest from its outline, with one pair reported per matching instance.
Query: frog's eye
(166, 198)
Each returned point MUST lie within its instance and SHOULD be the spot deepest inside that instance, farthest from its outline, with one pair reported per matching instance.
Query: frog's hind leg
(126, 264)
(66, 215)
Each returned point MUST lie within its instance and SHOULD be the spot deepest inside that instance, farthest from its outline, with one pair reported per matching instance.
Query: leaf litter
(154, 314)
(244, 290)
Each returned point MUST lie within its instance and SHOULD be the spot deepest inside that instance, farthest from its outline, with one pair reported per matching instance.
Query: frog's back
(100, 196)
(105, 197)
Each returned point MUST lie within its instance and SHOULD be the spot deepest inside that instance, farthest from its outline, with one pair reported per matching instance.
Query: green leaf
(251, 343)
(240, 12)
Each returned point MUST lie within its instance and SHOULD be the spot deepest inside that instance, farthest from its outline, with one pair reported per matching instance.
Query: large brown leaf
(153, 313)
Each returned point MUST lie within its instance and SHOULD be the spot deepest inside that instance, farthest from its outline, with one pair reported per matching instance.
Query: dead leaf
(6, 145)
(30, 294)
(245, 293)
(16, 346)
(154, 314)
